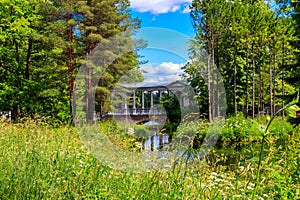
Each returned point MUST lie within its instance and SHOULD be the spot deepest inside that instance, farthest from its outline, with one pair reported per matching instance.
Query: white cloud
(162, 73)
(175, 8)
(186, 9)
(159, 6)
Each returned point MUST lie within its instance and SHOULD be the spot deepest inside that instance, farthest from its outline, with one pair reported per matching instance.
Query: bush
(141, 131)
(280, 126)
(236, 129)
(239, 129)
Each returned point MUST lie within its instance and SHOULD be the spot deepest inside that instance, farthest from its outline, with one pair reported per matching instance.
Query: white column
(181, 103)
(134, 102)
(143, 101)
(151, 99)
(125, 104)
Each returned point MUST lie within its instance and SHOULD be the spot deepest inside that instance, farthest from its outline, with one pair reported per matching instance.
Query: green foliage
(141, 131)
(172, 107)
(38, 161)
(42, 46)
(263, 141)
(235, 130)
(239, 129)
(241, 40)
(119, 134)
(279, 125)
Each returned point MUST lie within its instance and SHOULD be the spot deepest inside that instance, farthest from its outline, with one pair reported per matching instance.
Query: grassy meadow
(42, 161)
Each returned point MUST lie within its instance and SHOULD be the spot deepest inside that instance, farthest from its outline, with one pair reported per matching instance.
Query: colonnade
(143, 109)
(129, 102)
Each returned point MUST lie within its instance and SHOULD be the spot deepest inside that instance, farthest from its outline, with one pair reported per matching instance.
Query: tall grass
(39, 161)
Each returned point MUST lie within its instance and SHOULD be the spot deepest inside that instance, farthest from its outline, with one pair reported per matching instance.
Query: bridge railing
(138, 111)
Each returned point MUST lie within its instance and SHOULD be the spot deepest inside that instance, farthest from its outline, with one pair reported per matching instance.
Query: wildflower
(251, 184)
(225, 181)
(214, 174)
(237, 196)
(260, 198)
(202, 185)
(250, 188)
(219, 180)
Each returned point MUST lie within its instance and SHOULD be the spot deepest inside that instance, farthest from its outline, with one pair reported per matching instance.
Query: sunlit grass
(39, 161)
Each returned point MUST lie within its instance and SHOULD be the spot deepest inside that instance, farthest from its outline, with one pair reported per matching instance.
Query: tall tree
(42, 45)
(26, 49)
(102, 20)
(244, 45)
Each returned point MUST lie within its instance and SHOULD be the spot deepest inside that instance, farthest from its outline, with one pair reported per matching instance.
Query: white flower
(214, 174)
(249, 187)
(219, 180)
(237, 196)
(251, 184)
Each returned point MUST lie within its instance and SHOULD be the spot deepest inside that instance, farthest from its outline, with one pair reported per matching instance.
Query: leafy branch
(291, 109)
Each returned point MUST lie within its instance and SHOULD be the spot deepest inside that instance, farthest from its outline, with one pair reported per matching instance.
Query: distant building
(141, 98)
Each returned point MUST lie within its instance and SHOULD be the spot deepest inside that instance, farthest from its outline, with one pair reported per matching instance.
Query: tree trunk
(28, 59)
(218, 78)
(247, 86)
(70, 52)
(282, 79)
(89, 96)
(102, 99)
(253, 83)
(274, 84)
(271, 84)
(208, 88)
(234, 84)
(262, 93)
(27, 70)
(218, 96)
(213, 100)
(15, 112)
(259, 81)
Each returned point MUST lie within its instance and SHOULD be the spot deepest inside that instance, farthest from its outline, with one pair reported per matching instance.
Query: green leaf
(294, 101)
(291, 111)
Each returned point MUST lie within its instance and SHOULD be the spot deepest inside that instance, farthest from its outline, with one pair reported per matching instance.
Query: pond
(158, 144)
(155, 142)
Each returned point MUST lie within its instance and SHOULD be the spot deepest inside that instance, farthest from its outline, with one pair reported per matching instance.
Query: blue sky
(166, 26)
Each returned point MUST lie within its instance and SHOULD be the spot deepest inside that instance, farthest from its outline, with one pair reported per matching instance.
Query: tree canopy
(252, 45)
(42, 46)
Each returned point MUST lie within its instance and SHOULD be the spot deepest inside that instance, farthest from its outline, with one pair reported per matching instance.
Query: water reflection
(155, 142)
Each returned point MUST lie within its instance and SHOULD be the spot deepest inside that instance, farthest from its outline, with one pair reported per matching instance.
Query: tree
(243, 40)
(26, 49)
(42, 46)
(101, 21)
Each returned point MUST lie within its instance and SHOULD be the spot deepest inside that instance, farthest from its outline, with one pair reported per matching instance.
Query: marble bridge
(139, 103)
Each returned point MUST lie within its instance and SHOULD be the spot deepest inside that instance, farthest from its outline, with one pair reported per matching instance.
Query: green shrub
(280, 127)
(141, 131)
(239, 129)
